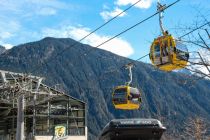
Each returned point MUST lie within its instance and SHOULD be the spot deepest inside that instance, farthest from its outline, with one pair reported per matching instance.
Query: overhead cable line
(58, 54)
(128, 30)
(194, 30)
(135, 26)
(61, 52)
(132, 28)
(181, 37)
(192, 42)
(142, 21)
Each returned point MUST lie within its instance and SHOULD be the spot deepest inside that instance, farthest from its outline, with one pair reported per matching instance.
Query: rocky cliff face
(92, 77)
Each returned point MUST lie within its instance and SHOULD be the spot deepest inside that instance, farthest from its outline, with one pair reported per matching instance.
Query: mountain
(2, 49)
(170, 97)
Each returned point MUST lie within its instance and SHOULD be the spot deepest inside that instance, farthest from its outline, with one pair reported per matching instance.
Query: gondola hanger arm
(160, 9)
(129, 67)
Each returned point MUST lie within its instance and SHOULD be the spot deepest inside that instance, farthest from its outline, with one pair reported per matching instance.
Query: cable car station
(30, 110)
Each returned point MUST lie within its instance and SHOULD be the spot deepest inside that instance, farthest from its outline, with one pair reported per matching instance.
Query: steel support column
(20, 119)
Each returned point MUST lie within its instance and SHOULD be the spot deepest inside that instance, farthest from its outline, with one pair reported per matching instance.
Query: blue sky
(30, 20)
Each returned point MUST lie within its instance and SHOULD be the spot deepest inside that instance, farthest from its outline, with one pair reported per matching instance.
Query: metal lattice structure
(40, 107)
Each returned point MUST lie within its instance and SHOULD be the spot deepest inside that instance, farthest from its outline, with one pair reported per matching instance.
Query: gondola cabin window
(181, 51)
(157, 54)
(120, 96)
(135, 95)
(165, 52)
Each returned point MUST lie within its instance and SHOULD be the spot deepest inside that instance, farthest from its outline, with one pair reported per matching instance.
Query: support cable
(179, 38)
(74, 44)
(137, 25)
(194, 30)
(126, 30)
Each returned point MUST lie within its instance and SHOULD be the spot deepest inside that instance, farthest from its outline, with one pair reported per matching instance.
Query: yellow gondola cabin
(168, 54)
(126, 97)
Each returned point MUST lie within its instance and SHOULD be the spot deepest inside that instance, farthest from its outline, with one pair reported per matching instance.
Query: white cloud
(143, 4)
(105, 7)
(15, 13)
(8, 29)
(49, 3)
(33, 7)
(5, 35)
(10, 5)
(117, 45)
(8, 46)
(106, 15)
(46, 11)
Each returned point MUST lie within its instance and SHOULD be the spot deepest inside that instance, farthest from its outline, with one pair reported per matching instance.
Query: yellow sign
(60, 131)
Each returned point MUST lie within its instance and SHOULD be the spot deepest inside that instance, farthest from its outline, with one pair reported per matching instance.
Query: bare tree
(195, 129)
(197, 38)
